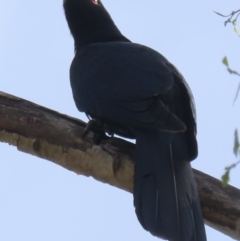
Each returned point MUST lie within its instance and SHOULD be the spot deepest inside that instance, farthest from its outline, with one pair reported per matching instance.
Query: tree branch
(56, 137)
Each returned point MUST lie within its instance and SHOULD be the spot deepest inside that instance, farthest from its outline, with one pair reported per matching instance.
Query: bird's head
(89, 22)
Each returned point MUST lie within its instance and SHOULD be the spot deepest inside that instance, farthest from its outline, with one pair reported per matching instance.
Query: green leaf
(236, 143)
(234, 23)
(237, 93)
(226, 175)
(235, 28)
(225, 179)
(225, 61)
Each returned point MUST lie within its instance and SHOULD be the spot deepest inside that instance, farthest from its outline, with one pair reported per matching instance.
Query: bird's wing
(126, 82)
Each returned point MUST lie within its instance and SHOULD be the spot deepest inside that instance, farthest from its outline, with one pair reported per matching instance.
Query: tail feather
(165, 195)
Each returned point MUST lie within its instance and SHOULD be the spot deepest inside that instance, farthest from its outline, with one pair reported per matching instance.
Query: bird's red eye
(95, 1)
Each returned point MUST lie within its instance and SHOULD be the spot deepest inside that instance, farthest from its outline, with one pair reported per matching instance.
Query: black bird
(135, 92)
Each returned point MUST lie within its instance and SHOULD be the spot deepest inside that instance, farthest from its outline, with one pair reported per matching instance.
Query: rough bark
(56, 137)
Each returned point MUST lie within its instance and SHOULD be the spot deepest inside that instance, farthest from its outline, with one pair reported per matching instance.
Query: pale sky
(42, 201)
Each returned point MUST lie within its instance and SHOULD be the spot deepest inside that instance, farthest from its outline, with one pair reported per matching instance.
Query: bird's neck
(101, 34)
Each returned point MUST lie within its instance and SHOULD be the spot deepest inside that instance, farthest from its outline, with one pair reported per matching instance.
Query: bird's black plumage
(137, 93)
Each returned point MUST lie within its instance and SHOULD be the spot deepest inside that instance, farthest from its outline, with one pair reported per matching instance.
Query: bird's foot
(98, 131)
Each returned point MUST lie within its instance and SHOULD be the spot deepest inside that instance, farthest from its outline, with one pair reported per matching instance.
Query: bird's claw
(98, 131)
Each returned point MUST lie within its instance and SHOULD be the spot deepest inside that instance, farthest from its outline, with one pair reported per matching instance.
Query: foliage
(236, 151)
(232, 18)
(231, 71)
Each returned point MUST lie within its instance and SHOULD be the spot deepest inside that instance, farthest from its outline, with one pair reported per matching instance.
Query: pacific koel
(133, 91)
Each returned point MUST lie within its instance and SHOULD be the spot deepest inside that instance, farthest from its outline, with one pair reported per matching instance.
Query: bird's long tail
(165, 195)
